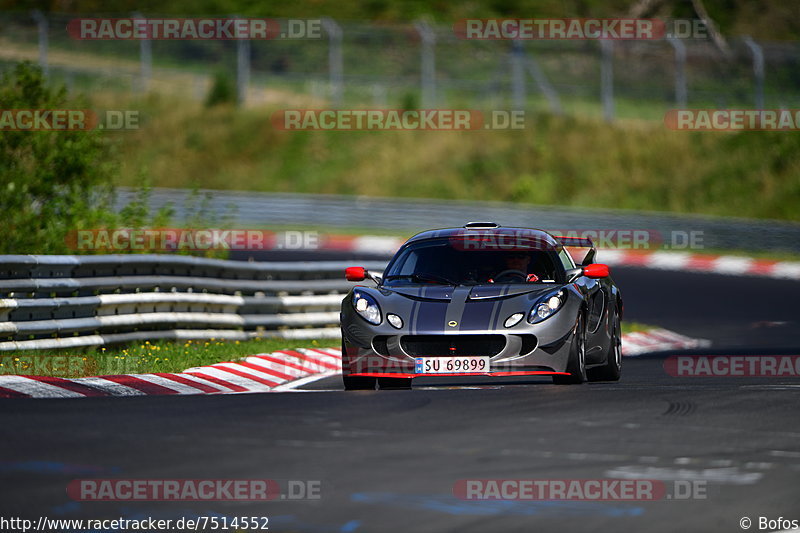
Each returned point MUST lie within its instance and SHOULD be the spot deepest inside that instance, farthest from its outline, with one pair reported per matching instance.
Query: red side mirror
(355, 274)
(596, 271)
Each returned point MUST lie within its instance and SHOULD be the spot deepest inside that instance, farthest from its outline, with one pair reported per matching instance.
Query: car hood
(446, 293)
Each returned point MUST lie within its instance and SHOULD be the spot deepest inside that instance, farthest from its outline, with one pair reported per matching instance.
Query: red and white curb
(714, 264)
(275, 372)
(278, 371)
(658, 340)
(659, 260)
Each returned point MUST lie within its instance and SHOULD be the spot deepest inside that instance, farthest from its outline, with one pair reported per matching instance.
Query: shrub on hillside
(50, 181)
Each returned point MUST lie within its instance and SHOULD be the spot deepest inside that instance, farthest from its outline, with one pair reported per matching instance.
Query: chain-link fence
(419, 65)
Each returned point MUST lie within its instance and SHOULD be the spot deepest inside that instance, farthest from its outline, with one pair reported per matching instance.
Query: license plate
(451, 365)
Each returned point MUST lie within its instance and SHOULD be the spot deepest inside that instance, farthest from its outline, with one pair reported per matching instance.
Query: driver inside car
(515, 270)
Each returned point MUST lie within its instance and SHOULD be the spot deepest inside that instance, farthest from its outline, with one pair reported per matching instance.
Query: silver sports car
(482, 300)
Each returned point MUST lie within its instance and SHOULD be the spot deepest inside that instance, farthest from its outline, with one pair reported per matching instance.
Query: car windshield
(443, 261)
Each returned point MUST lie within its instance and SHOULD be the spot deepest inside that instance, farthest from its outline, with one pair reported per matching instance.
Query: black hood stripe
(498, 308)
(477, 315)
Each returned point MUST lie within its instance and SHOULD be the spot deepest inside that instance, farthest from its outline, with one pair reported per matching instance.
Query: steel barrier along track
(262, 210)
(59, 301)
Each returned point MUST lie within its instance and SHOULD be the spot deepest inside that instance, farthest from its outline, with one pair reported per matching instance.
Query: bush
(222, 91)
(50, 181)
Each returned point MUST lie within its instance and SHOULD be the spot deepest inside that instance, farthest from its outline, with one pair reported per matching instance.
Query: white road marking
(730, 476)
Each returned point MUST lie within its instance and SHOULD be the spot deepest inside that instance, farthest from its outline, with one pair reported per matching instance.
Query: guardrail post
(607, 78)
(145, 55)
(43, 27)
(517, 75)
(335, 61)
(242, 69)
(681, 92)
(428, 64)
(758, 69)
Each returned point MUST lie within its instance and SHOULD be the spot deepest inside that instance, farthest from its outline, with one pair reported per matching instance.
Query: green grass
(162, 356)
(554, 161)
(633, 327)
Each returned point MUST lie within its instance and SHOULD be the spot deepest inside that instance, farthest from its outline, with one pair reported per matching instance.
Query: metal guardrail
(262, 210)
(50, 302)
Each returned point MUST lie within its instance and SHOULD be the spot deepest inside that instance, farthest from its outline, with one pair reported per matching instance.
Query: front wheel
(355, 382)
(576, 366)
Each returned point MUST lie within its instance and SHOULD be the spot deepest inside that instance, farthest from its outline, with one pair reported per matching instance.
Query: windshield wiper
(423, 276)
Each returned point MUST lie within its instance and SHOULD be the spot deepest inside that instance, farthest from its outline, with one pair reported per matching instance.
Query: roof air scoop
(481, 225)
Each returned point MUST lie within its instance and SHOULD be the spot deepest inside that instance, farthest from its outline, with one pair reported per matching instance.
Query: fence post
(517, 75)
(379, 95)
(428, 64)
(42, 25)
(145, 56)
(681, 92)
(758, 69)
(544, 85)
(335, 61)
(607, 78)
(242, 69)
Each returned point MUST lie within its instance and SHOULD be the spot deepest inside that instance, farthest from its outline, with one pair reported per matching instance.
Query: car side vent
(481, 225)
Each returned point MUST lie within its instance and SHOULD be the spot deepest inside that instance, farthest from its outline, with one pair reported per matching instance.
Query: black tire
(358, 383)
(576, 366)
(394, 383)
(613, 367)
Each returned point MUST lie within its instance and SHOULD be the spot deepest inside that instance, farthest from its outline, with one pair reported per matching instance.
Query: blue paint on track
(454, 506)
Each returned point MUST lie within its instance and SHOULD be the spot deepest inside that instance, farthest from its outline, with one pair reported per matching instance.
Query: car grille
(444, 345)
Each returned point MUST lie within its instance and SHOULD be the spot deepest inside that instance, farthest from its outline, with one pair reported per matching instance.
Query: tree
(50, 181)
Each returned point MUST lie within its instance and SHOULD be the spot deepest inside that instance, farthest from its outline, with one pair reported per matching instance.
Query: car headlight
(366, 306)
(547, 307)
